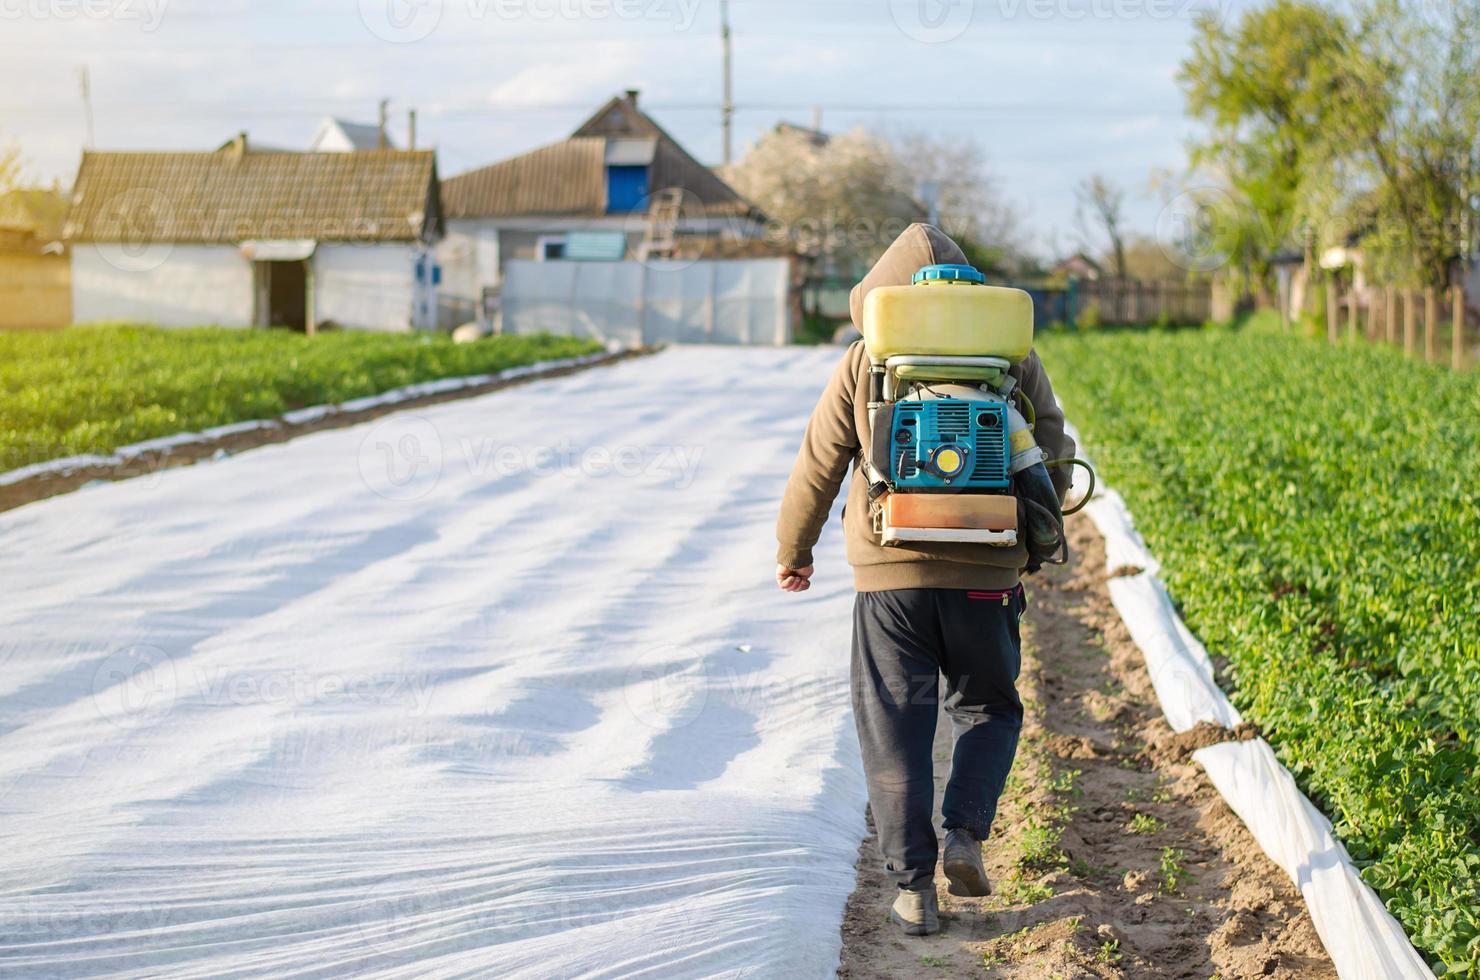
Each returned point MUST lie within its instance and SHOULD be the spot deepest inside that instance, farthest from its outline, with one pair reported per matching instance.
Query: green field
(92, 389)
(1316, 513)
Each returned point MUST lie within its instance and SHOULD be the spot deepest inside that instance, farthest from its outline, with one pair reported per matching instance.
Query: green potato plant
(1316, 512)
(93, 389)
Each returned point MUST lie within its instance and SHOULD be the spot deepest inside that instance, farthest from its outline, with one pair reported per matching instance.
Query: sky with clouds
(1053, 90)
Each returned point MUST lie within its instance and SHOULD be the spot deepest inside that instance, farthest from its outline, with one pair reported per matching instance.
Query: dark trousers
(903, 640)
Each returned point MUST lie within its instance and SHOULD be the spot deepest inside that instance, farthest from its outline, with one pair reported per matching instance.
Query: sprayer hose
(1068, 461)
(1030, 415)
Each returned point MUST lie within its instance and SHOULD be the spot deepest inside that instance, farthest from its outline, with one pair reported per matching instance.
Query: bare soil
(50, 484)
(1112, 856)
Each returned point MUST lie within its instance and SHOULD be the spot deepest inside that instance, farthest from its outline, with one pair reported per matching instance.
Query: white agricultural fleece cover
(497, 687)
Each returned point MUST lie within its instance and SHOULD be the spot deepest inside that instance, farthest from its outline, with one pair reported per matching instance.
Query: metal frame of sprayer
(949, 436)
(952, 457)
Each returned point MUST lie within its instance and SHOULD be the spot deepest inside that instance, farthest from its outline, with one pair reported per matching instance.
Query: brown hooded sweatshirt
(839, 427)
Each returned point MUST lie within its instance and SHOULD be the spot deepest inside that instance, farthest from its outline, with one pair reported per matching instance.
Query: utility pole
(82, 78)
(385, 105)
(728, 109)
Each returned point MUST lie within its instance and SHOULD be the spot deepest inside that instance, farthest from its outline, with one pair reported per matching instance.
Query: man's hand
(794, 579)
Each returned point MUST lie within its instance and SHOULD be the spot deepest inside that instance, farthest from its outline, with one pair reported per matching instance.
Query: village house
(245, 237)
(34, 290)
(618, 188)
(1078, 266)
(336, 135)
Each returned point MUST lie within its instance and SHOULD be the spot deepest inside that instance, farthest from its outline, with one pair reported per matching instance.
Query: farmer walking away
(959, 466)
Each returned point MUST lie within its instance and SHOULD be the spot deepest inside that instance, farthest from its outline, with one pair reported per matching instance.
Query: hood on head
(918, 245)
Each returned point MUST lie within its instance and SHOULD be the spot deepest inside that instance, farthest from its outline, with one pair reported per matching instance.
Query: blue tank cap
(948, 273)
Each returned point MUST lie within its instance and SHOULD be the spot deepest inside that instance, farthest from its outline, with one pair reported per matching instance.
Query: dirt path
(1113, 856)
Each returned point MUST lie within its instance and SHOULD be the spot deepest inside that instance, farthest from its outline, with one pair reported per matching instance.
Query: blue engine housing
(922, 429)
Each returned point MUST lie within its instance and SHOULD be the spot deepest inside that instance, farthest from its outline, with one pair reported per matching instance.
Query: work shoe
(916, 912)
(963, 861)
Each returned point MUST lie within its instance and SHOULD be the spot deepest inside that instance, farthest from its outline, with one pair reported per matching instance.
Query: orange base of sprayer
(974, 518)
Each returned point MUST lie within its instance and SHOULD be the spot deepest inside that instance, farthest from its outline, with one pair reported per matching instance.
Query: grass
(93, 389)
(1315, 511)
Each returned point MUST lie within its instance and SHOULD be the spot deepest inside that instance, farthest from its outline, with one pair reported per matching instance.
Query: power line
(301, 108)
(421, 48)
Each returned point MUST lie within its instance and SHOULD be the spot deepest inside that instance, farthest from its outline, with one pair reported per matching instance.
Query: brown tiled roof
(234, 194)
(563, 178)
(569, 177)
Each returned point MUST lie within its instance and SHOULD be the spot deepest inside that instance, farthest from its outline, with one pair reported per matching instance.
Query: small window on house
(626, 188)
(550, 248)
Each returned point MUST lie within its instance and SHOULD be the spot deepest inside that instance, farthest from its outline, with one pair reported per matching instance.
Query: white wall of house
(172, 285)
(359, 287)
(365, 287)
(469, 257)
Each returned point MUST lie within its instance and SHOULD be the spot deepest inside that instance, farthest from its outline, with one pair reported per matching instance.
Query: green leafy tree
(1405, 139)
(1266, 87)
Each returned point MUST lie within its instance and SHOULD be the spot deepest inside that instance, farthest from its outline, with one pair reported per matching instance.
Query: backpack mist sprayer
(952, 455)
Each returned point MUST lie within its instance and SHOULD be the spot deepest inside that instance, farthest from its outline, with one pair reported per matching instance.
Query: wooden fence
(1080, 302)
(1136, 301)
(1430, 323)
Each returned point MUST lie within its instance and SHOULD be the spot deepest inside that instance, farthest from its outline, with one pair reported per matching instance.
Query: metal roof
(236, 194)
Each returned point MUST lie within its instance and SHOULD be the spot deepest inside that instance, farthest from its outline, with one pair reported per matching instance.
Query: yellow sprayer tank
(948, 312)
